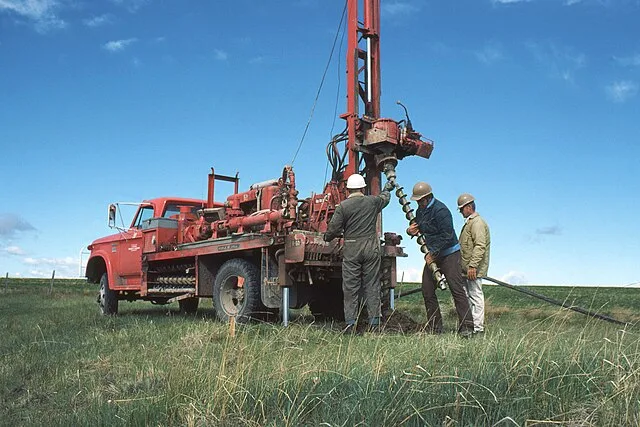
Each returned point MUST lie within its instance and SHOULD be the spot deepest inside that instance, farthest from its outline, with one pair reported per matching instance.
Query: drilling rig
(262, 250)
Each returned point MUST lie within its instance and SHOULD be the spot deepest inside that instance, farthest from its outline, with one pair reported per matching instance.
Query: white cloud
(628, 61)
(489, 54)
(410, 275)
(131, 5)
(51, 261)
(220, 55)
(118, 45)
(43, 13)
(560, 62)
(622, 91)
(13, 250)
(43, 267)
(509, 1)
(565, 2)
(553, 230)
(98, 21)
(11, 223)
(514, 278)
(398, 8)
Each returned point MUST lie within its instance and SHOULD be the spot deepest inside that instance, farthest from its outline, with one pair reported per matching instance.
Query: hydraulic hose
(539, 296)
(556, 302)
(390, 172)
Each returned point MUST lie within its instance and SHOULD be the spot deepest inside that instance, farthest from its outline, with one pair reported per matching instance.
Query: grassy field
(64, 364)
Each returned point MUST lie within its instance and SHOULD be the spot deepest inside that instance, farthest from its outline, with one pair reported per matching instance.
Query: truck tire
(189, 305)
(236, 291)
(107, 298)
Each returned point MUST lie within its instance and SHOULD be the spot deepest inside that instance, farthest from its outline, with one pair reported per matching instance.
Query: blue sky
(533, 107)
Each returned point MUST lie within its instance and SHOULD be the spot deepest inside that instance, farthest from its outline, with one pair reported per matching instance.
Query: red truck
(262, 250)
(253, 253)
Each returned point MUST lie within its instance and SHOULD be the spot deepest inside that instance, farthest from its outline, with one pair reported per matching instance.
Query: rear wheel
(107, 298)
(236, 291)
(189, 305)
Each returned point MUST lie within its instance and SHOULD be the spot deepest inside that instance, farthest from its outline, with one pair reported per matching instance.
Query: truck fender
(98, 262)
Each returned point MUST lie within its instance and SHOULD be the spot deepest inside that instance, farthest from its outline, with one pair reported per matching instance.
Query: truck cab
(116, 260)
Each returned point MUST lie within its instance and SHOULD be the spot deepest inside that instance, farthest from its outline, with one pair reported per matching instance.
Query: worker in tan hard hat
(356, 218)
(475, 243)
(434, 221)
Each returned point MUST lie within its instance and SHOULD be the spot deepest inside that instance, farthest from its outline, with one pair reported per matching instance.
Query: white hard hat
(356, 181)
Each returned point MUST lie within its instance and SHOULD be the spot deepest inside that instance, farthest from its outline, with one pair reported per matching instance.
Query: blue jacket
(436, 223)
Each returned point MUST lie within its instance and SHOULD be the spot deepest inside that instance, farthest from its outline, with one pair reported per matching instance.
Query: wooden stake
(53, 275)
(6, 282)
(232, 326)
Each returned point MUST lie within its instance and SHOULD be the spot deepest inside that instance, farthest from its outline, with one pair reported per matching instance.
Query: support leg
(285, 306)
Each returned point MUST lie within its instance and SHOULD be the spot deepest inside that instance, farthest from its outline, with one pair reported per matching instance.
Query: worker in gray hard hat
(434, 221)
(475, 243)
(356, 218)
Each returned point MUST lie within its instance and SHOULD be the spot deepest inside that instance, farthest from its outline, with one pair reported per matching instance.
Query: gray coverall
(357, 217)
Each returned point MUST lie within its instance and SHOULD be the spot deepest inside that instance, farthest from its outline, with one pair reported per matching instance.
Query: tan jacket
(475, 243)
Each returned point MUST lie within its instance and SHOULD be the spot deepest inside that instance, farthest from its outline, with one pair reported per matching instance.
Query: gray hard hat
(420, 190)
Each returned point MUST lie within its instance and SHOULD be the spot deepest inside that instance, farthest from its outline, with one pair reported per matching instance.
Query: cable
(324, 74)
(335, 110)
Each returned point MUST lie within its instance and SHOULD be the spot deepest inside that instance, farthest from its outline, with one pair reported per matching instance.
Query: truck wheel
(107, 298)
(236, 291)
(189, 305)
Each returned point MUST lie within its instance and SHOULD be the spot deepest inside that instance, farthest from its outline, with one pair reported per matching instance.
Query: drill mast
(363, 83)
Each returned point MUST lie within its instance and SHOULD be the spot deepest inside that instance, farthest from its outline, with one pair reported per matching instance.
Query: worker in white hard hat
(356, 219)
(475, 243)
(434, 221)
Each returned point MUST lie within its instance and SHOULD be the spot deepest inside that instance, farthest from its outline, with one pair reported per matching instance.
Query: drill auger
(390, 172)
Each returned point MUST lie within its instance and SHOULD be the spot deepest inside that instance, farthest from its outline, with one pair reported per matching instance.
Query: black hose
(539, 296)
(412, 291)
(556, 302)
(337, 161)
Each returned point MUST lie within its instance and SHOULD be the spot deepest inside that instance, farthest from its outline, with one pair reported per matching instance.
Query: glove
(389, 186)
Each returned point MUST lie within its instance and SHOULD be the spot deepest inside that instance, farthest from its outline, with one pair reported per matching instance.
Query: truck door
(130, 251)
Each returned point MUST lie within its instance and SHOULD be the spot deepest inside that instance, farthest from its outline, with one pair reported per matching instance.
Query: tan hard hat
(465, 199)
(420, 190)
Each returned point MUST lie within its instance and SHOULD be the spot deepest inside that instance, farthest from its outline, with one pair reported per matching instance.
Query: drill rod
(390, 172)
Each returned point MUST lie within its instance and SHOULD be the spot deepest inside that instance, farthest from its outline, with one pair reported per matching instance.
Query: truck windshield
(144, 213)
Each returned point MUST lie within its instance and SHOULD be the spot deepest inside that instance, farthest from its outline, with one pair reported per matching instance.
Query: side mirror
(112, 215)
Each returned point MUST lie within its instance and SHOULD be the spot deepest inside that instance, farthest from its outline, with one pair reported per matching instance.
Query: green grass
(61, 363)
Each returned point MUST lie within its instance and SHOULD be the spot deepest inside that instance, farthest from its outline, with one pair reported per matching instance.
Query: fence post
(53, 275)
(6, 282)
